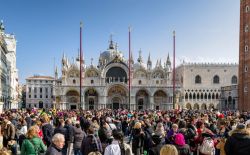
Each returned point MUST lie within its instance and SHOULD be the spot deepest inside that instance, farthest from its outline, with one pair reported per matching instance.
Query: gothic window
(205, 96)
(216, 79)
(157, 81)
(139, 82)
(194, 96)
(186, 96)
(245, 89)
(198, 96)
(92, 81)
(209, 96)
(217, 96)
(197, 79)
(213, 96)
(246, 28)
(74, 81)
(247, 8)
(190, 96)
(246, 48)
(201, 96)
(234, 80)
(246, 68)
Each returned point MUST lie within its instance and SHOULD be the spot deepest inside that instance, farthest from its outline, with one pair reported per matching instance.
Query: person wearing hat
(238, 142)
(181, 145)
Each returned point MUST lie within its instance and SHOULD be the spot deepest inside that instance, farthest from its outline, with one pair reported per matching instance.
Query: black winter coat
(238, 143)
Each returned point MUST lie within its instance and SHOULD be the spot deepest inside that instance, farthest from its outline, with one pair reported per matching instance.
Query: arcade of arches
(203, 106)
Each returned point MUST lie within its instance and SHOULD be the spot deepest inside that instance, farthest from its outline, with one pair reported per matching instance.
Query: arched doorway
(188, 106)
(142, 100)
(160, 100)
(203, 106)
(196, 106)
(72, 99)
(91, 98)
(117, 97)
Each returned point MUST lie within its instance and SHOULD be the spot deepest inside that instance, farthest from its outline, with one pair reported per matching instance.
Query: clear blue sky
(206, 30)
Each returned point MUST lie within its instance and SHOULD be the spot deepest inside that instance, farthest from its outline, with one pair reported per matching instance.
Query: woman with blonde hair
(33, 144)
(169, 150)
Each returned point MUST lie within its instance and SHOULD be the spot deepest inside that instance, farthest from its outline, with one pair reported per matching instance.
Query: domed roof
(111, 53)
(139, 65)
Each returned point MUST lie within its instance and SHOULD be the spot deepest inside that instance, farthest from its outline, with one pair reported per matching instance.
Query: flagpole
(173, 69)
(81, 64)
(129, 62)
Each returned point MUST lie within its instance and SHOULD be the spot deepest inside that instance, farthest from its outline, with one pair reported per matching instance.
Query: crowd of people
(123, 132)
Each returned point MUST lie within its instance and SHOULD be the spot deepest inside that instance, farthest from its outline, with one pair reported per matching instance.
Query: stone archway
(188, 106)
(91, 99)
(196, 106)
(72, 99)
(160, 100)
(117, 97)
(142, 100)
(203, 106)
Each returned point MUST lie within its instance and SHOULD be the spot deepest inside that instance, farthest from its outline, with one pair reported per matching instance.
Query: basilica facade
(106, 85)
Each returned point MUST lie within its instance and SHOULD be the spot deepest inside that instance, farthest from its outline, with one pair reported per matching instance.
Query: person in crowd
(33, 144)
(21, 130)
(180, 144)
(78, 137)
(47, 130)
(171, 133)
(9, 134)
(91, 143)
(57, 145)
(69, 139)
(239, 141)
(138, 139)
(156, 146)
(169, 149)
(118, 147)
(62, 130)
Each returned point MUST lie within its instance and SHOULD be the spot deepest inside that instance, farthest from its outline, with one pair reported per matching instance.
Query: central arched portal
(142, 100)
(91, 99)
(72, 98)
(117, 97)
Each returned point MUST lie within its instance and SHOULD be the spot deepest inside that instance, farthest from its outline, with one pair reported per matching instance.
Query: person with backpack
(33, 145)
(118, 147)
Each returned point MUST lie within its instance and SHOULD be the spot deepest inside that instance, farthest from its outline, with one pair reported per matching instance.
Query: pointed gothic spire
(56, 73)
(168, 60)
(111, 45)
(140, 57)
(160, 63)
(2, 26)
(157, 63)
(149, 58)
(131, 58)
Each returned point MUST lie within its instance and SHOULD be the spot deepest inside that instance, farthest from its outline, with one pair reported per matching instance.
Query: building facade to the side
(107, 84)
(229, 97)
(201, 83)
(39, 92)
(244, 56)
(9, 73)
